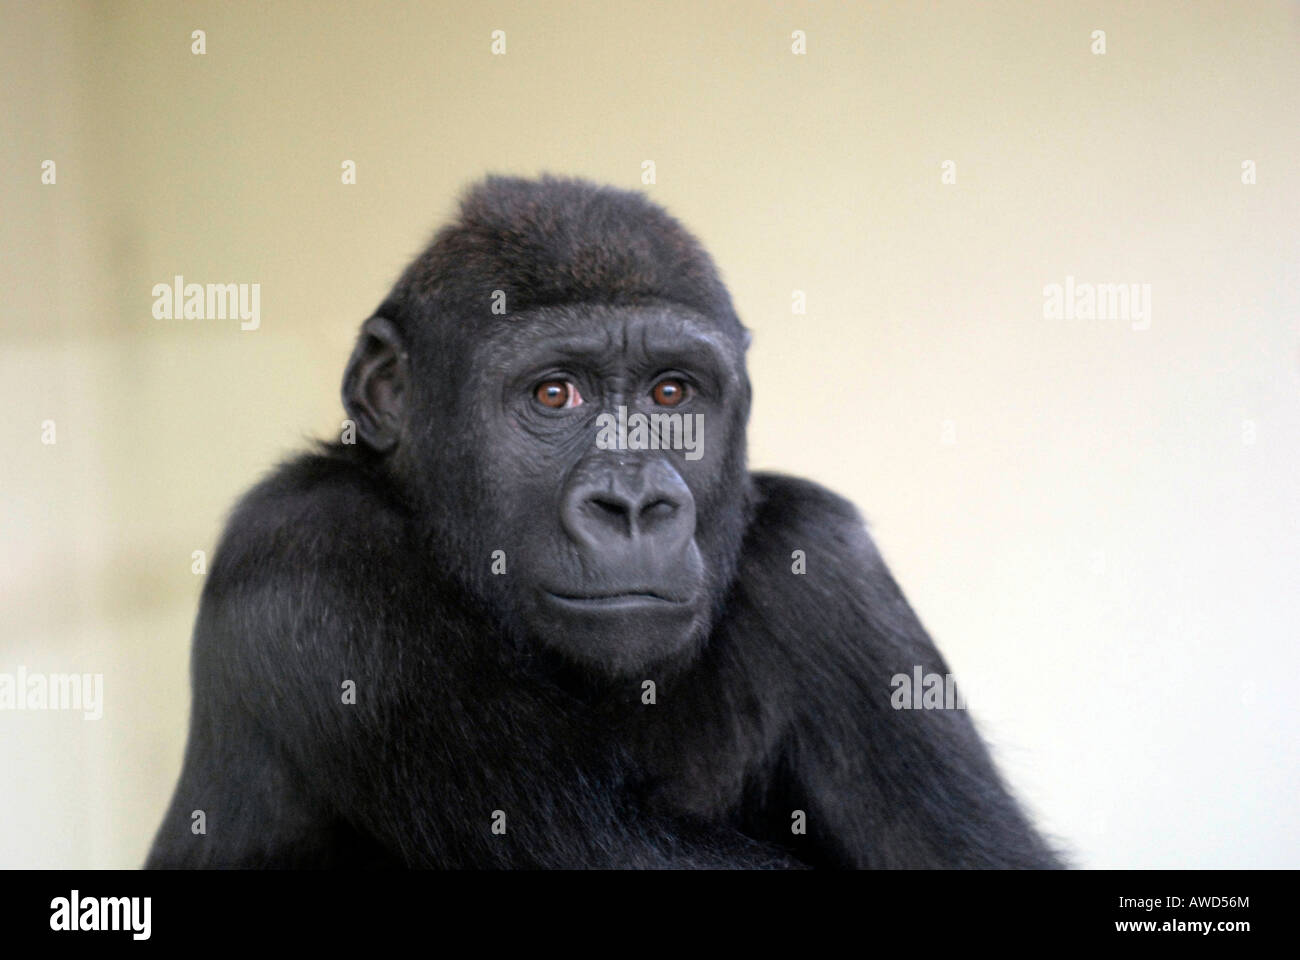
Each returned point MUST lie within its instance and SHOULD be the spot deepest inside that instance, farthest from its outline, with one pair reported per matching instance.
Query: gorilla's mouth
(626, 600)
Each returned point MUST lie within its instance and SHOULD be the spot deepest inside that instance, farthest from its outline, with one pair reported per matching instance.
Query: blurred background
(1098, 519)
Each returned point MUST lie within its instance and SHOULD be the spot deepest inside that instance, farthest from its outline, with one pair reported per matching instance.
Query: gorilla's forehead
(614, 334)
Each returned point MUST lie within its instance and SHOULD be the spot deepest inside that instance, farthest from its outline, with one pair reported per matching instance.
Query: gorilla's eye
(669, 393)
(557, 394)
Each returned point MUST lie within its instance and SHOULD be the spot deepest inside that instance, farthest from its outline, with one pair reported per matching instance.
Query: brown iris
(557, 394)
(669, 393)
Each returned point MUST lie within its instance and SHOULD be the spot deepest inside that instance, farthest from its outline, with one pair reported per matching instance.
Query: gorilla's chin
(618, 634)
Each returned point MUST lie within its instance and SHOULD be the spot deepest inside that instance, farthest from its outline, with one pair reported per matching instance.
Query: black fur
(370, 563)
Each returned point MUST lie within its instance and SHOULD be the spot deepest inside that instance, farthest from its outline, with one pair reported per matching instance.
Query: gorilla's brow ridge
(686, 338)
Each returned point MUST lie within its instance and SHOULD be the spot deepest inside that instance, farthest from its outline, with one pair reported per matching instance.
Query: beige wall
(1111, 566)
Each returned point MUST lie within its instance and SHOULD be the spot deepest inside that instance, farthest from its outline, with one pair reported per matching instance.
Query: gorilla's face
(575, 468)
(609, 449)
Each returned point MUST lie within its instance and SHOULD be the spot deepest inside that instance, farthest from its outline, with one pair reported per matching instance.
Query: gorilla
(534, 611)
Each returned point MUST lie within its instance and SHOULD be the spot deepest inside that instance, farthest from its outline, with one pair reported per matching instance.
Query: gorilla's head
(557, 386)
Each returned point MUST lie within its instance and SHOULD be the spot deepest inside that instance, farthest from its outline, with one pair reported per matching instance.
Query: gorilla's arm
(881, 787)
(300, 599)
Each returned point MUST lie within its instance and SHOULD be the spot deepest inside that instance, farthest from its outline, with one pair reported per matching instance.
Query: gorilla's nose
(628, 505)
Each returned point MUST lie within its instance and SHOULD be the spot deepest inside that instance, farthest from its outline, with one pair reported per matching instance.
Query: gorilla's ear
(374, 384)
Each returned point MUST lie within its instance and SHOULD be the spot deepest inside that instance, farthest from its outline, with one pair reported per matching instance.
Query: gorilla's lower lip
(613, 601)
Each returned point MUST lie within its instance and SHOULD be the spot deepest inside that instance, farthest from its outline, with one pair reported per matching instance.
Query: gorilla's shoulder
(789, 508)
(813, 584)
(317, 505)
(800, 527)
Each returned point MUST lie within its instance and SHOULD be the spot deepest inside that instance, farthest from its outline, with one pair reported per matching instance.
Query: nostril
(658, 509)
(614, 508)
(627, 516)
